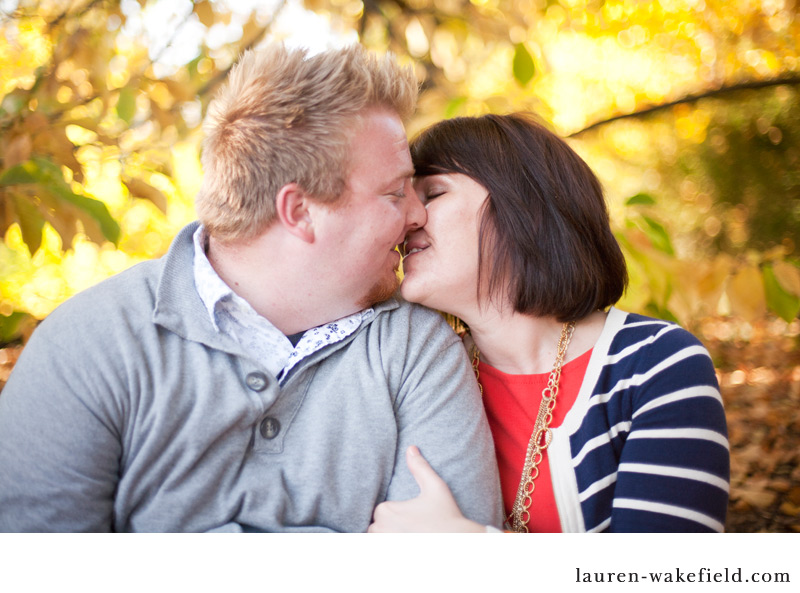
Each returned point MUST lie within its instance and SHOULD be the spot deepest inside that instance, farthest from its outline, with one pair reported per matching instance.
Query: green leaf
(787, 306)
(30, 222)
(658, 235)
(788, 276)
(654, 310)
(640, 199)
(454, 106)
(18, 174)
(49, 177)
(523, 65)
(126, 105)
(13, 326)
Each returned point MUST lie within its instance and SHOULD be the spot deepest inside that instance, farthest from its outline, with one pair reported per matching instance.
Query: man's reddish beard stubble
(382, 290)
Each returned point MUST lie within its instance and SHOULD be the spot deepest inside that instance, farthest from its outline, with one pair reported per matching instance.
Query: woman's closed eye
(430, 188)
(432, 195)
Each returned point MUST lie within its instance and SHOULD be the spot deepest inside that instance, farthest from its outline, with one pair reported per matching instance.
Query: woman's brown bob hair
(545, 224)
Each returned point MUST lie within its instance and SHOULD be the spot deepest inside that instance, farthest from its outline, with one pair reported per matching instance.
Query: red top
(512, 402)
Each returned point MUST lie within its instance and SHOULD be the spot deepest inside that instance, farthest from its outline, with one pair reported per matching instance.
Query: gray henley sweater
(127, 411)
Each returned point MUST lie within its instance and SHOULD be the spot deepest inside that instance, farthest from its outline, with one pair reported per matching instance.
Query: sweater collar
(179, 308)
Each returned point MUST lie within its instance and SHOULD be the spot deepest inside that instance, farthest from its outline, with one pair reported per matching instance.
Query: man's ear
(292, 207)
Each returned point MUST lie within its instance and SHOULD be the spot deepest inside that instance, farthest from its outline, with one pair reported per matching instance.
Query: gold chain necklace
(542, 433)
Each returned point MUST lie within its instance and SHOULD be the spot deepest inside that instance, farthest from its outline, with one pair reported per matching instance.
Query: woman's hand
(434, 510)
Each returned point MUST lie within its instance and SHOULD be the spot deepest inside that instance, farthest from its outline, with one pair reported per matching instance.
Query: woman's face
(441, 263)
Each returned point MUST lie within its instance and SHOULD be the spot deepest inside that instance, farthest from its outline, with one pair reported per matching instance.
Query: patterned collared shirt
(233, 316)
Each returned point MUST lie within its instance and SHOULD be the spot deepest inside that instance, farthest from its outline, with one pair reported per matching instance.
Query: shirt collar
(213, 290)
(210, 286)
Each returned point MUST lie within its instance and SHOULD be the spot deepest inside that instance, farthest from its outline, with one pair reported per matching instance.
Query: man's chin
(381, 291)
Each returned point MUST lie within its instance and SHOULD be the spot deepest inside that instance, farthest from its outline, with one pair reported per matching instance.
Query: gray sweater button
(270, 428)
(256, 381)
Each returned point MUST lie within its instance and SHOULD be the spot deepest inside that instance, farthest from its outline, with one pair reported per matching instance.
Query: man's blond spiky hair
(283, 117)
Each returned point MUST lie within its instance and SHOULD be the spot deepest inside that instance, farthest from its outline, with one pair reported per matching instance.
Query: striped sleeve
(655, 451)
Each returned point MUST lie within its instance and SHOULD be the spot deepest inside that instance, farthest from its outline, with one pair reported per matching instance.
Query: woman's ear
(292, 207)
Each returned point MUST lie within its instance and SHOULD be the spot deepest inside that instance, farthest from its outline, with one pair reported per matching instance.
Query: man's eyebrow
(406, 174)
(402, 177)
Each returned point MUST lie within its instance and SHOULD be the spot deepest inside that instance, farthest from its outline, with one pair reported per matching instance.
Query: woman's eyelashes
(428, 196)
(430, 189)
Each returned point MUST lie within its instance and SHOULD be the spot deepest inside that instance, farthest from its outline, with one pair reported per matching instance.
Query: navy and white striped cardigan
(644, 448)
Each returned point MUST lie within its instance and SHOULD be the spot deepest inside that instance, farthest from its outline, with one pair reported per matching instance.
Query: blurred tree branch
(790, 79)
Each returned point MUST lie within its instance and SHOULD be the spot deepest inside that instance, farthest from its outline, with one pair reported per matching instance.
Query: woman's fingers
(380, 518)
(427, 479)
(434, 509)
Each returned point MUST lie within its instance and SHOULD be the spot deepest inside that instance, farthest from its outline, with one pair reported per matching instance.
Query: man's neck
(280, 288)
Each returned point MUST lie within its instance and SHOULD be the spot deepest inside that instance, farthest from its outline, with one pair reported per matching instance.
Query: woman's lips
(413, 247)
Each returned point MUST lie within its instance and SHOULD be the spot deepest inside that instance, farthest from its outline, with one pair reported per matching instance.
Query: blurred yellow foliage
(25, 48)
(107, 126)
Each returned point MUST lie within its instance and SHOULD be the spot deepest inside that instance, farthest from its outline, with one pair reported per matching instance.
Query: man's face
(378, 209)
